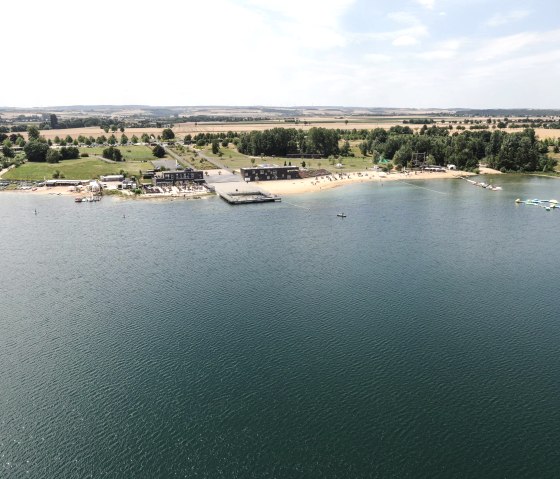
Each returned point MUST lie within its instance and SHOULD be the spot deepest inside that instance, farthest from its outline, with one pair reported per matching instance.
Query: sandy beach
(283, 187)
(308, 185)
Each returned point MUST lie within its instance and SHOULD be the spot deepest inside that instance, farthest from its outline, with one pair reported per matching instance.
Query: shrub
(158, 151)
(53, 156)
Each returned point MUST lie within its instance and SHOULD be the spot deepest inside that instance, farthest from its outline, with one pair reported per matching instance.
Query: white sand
(287, 187)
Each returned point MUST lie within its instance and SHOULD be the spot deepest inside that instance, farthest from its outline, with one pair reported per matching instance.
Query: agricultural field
(80, 169)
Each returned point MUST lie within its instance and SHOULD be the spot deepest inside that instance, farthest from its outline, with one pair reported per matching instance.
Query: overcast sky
(398, 53)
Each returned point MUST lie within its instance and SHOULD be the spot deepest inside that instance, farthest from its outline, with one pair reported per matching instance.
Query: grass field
(235, 160)
(133, 153)
(81, 169)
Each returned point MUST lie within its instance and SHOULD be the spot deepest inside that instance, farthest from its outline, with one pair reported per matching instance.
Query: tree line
(287, 141)
(519, 151)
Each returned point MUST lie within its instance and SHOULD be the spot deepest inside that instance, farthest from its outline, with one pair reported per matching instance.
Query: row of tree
(520, 151)
(286, 141)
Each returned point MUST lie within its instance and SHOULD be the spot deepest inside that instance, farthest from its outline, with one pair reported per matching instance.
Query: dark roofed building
(269, 172)
(181, 177)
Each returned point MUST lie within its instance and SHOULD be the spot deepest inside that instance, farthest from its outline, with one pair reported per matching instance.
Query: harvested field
(182, 129)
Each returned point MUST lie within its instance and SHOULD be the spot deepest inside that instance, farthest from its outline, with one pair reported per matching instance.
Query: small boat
(341, 215)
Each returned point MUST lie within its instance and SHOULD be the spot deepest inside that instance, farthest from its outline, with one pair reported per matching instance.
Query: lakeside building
(269, 172)
(62, 182)
(112, 178)
(181, 177)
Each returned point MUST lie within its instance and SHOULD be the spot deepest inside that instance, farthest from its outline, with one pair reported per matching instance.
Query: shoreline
(314, 185)
(277, 187)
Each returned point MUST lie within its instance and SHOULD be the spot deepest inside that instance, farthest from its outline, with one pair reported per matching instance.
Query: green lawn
(230, 157)
(132, 153)
(235, 160)
(80, 169)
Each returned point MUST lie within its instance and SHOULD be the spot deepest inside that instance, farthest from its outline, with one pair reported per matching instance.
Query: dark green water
(419, 337)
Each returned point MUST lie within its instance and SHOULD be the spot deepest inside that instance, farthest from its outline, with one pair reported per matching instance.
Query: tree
(33, 132)
(36, 151)
(134, 139)
(53, 121)
(158, 151)
(112, 153)
(145, 138)
(69, 153)
(215, 147)
(124, 139)
(53, 156)
(345, 150)
(7, 149)
(167, 134)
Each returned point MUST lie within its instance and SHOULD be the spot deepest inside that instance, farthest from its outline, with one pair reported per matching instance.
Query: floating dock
(246, 197)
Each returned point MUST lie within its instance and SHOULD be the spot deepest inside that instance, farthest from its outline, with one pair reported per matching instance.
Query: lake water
(418, 337)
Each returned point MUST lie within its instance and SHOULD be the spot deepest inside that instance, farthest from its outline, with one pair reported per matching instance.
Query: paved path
(106, 160)
(179, 159)
(214, 161)
(5, 170)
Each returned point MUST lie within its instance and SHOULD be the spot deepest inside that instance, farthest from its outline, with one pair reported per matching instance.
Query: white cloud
(410, 33)
(312, 24)
(503, 18)
(405, 18)
(443, 51)
(429, 4)
(405, 41)
(504, 46)
(376, 58)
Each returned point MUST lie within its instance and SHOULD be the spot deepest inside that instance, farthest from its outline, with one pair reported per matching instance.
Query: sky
(394, 53)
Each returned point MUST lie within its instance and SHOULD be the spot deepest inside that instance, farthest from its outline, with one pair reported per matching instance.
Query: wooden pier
(248, 196)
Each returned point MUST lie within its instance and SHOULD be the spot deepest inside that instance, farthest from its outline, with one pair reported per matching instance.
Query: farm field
(80, 169)
(182, 129)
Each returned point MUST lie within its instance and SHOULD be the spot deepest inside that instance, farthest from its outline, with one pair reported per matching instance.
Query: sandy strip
(308, 185)
(51, 190)
(284, 187)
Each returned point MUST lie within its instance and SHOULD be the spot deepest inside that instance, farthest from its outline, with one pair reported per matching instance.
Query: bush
(84, 155)
(112, 153)
(53, 156)
(158, 151)
(69, 153)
